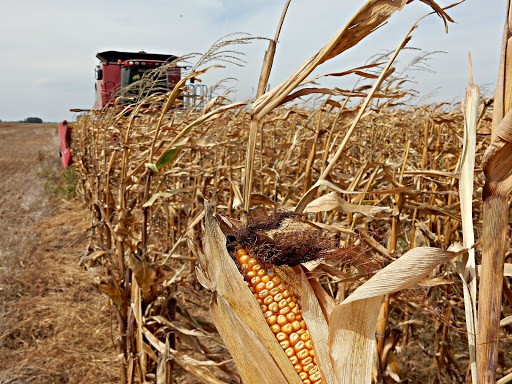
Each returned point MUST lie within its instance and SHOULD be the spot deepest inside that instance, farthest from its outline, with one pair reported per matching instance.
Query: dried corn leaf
(412, 267)
(332, 201)
(189, 364)
(143, 273)
(111, 288)
(200, 120)
(506, 321)
(163, 374)
(358, 71)
(237, 198)
(371, 16)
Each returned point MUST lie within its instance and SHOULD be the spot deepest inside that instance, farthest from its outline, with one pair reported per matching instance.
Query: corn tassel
(283, 315)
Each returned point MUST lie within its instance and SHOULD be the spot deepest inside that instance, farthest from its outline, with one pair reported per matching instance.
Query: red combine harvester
(116, 84)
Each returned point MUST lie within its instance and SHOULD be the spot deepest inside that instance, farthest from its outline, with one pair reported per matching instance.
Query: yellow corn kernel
(315, 378)
(294, 338)
(285, 310)
(251, 275)
(251, 263)
(286, 328)
(300, 345)
(307, 360)
(289, 352)
(272, 319)
(308, 367)
(280, 336)
(302, 354)
(282, 320)
(274, 291)
(260, 286)
(296, 325)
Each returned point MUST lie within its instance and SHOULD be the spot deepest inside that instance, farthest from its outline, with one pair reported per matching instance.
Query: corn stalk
(498, 184)
(467, 267)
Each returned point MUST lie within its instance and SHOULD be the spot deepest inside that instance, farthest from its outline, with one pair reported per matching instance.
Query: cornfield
(368, 212)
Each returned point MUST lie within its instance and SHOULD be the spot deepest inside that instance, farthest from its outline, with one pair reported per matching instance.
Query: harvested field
(54, 325)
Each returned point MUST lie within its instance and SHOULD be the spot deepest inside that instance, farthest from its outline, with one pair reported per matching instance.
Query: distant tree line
(36, 120)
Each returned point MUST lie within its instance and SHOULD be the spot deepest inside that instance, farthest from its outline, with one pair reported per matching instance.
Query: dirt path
(54, 325)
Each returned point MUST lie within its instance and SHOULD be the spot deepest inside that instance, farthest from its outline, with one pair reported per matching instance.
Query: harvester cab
(118, 76)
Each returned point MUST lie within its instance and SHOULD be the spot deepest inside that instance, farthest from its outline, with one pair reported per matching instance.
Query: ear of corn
(282, 313)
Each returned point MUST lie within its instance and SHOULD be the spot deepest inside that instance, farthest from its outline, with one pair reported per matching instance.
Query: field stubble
(55, 326)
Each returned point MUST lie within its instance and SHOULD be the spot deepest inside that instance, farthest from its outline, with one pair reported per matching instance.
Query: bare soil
(54, 324)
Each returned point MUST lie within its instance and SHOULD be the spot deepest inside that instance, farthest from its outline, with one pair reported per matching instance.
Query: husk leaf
(352, 340)
(244, 346)
(318, 330)
(352, 323)
(332, 201)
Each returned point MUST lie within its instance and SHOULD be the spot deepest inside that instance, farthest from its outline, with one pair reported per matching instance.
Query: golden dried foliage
(373, 174)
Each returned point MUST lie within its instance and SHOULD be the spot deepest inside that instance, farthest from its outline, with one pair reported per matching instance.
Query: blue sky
(49, 47)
